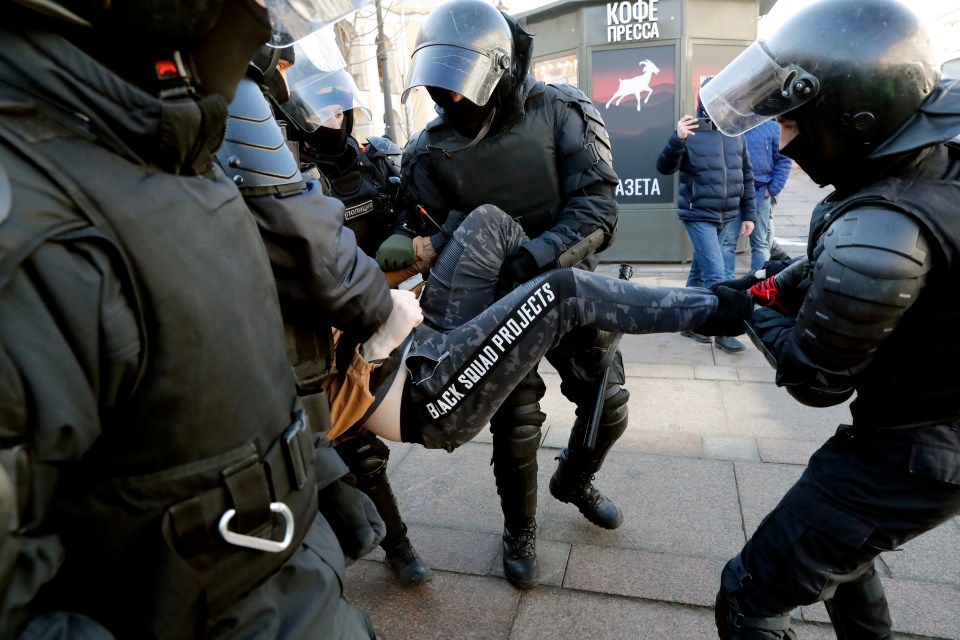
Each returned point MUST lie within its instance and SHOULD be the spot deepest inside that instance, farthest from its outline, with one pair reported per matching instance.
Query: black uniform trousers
(864, 492)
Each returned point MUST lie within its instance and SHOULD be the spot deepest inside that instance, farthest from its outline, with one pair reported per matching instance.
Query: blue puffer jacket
(770, 167)
(716, 178)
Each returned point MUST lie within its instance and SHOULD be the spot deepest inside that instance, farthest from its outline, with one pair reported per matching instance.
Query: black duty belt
(226, 540)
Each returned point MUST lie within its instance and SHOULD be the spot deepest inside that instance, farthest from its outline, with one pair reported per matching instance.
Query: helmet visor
(293, 20)
(316, 98)
(755, 88)
(470, 73)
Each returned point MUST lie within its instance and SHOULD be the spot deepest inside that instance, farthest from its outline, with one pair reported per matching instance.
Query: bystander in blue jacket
(715, 199)
(770, 172)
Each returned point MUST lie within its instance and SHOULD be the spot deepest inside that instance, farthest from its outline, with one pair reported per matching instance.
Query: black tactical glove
(743, 283)
(733, 308)
(353, 517)
(519, 267)
(770, 268)
(453, 221)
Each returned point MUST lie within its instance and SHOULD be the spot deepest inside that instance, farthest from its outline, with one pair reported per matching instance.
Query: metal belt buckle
(253, 542)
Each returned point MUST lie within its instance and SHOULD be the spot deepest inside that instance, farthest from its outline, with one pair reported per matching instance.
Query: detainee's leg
(463, 281)
(459, 378)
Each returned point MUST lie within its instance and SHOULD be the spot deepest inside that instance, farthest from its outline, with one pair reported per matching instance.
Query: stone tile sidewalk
(712, 446)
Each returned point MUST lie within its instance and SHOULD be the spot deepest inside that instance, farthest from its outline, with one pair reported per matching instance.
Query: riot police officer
(323, 107)
(872, 311)
(320, 111)
(166, 483)
(498, 133)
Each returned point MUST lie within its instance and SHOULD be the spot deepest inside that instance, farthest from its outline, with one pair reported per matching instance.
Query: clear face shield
(293, 20)
(471, 73)
(754, 88)
(320, 88)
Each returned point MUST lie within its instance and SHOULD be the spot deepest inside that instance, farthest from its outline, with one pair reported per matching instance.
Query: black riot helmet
(464, 46)
(176, 47)
(851, 73)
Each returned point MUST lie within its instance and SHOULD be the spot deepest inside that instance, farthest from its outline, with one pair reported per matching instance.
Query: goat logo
(636, 85)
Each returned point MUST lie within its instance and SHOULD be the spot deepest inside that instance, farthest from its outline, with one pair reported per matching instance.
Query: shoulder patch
(6, 195)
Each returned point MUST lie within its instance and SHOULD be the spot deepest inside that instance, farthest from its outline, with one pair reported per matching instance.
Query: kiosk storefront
(641, 63)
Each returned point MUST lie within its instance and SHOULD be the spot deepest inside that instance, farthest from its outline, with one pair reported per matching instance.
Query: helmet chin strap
(484, 129)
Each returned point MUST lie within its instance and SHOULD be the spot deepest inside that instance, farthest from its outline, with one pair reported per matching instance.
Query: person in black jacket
(165, 481)
(716, 196)
(870, 309)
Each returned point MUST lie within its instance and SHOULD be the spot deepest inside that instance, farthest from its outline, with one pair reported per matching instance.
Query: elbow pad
(870, 267)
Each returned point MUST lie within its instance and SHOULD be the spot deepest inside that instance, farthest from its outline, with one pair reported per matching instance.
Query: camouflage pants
(472, 349)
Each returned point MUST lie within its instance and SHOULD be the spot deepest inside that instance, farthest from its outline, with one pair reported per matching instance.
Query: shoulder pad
(880, 242)
(384, 146)
(870, 267)
(6, 195)
(569, 93)
(572, 95)
(254, 153)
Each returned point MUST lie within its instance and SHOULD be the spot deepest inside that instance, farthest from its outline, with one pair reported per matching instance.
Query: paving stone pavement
(711, 447)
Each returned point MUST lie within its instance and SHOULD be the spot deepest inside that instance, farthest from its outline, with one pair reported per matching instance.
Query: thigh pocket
(936, 454)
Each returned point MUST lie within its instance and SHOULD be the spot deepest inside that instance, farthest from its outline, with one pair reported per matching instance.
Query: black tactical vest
(532, 196)
(914, 376)
(211, 423)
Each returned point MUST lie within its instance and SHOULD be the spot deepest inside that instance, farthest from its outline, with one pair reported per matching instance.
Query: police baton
(590, 436)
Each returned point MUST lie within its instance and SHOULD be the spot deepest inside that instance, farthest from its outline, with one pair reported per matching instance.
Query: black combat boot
(406, 564)
(573, 480)
(573, 483)
(520, 563)
(515, 469)
(367, 456)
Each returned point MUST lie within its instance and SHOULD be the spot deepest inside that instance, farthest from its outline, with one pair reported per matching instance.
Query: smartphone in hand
(705, 124)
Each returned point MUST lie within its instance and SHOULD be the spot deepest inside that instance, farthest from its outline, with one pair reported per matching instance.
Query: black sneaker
(730, 344)
(699, 337)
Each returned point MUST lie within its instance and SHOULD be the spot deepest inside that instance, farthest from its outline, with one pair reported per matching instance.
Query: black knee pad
(522, 407)
(614, 404)
(613, 422)
(518, 443)
(735, 624)
(366, 456)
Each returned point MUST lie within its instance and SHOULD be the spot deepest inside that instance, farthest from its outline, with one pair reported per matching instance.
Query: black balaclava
(465, 116)
(327, 145)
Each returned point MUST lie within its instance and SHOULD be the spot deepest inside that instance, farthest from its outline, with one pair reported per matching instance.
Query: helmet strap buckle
(172, 78)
